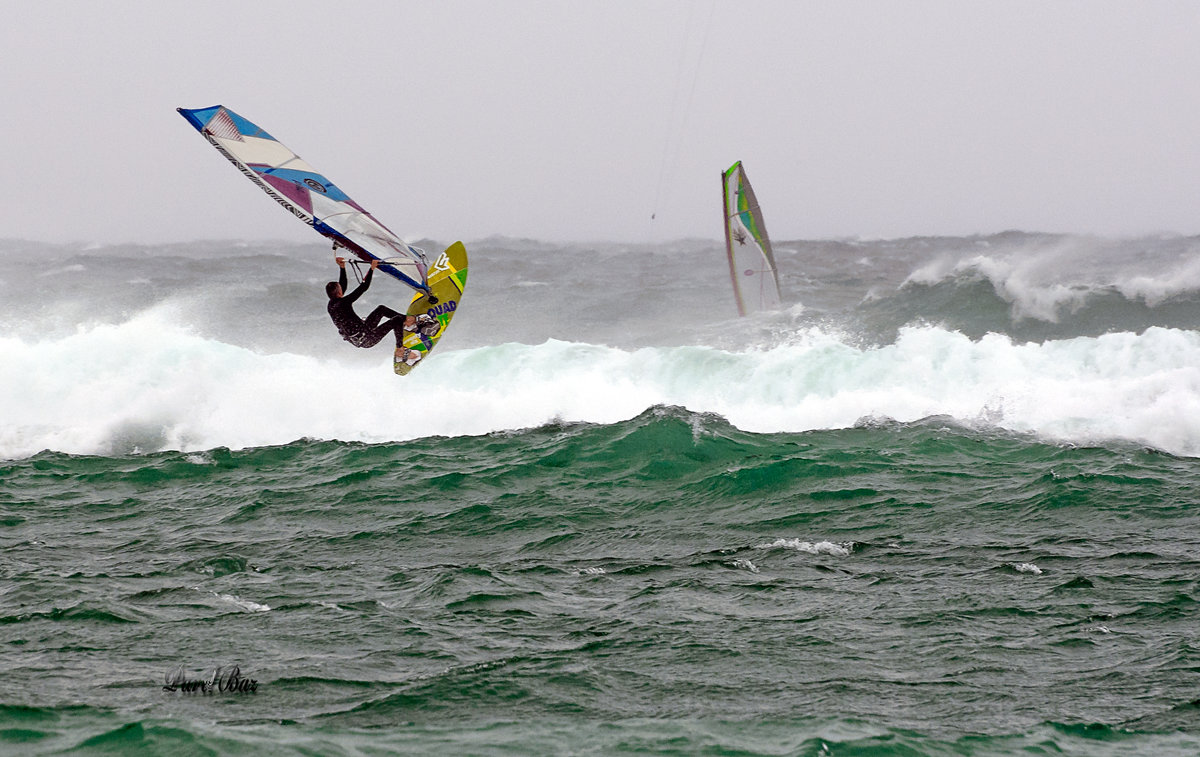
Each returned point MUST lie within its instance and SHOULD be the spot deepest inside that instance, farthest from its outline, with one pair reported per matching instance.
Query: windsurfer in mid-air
(370, 332)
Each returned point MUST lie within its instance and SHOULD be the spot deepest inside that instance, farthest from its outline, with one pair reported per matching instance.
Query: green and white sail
(751, 262)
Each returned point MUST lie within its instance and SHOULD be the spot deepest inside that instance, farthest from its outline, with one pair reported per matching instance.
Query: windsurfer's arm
(342, 275)
(366, 282)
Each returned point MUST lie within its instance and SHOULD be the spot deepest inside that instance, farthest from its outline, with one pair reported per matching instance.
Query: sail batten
(307, 194)
(748, 248)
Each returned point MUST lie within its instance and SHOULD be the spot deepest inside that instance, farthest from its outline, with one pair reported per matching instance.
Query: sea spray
(145, 385)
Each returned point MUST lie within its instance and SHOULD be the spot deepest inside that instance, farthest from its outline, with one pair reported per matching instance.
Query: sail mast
(737, 291)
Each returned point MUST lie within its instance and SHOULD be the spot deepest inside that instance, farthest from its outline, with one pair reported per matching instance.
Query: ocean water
(945, 503)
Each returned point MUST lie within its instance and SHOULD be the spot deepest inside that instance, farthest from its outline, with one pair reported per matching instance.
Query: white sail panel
(751, 261)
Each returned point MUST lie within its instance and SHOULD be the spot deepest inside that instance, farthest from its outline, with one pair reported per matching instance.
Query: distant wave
(1071, 285)
(969, 302)
(145, 385)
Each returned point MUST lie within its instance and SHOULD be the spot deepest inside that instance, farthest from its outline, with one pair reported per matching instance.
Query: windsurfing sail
(751, 262)
(308, 195)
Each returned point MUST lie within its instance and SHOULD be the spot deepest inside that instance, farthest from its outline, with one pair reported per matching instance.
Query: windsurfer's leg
(375, 332)
(369, 337)
(378, 314)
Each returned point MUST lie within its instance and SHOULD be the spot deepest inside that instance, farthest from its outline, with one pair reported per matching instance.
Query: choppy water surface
(942, 504)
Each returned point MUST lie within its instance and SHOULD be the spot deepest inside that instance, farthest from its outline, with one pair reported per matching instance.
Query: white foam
(1043, 280)
(236, 601)
(743, 564)
(244, 604)
(813, 548)
(146, 385)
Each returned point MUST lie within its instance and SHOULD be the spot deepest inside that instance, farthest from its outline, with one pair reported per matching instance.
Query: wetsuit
(355, 330)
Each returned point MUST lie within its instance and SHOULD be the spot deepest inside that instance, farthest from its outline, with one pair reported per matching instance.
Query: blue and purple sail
(308, 195)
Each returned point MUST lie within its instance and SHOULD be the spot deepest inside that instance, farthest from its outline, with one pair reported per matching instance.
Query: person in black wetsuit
(355, 330)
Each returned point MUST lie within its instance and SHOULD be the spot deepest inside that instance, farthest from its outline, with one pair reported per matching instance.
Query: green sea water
(665, 585)
(941, 503)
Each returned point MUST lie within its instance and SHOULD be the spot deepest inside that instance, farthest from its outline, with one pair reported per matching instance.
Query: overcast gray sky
(578, 120)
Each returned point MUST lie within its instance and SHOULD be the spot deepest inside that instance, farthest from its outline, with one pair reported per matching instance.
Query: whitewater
(943, 502)
(1071, 340)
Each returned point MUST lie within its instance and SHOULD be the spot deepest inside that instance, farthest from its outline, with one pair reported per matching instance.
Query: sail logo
(254, 177)
(314, 184)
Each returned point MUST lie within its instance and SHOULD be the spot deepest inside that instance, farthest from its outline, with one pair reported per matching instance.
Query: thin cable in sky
(673, 139)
